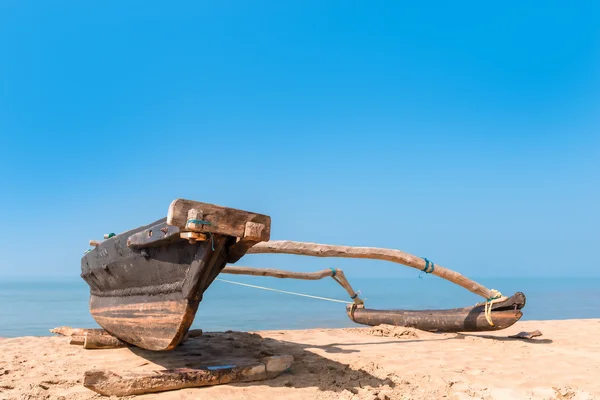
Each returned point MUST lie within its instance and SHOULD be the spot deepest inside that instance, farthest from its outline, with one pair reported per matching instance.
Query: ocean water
(32, 308)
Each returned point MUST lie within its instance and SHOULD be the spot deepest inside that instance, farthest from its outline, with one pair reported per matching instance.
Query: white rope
(283, 291)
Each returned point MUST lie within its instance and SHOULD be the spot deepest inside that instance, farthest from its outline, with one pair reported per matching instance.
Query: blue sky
(464, 132)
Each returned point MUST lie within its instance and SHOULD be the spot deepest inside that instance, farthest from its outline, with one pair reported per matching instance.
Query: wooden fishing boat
(146, 284)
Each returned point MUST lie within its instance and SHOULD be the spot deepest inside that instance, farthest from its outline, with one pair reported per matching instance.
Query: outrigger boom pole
(374, 253)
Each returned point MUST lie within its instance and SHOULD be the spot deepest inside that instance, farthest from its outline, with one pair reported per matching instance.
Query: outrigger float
(146, 283)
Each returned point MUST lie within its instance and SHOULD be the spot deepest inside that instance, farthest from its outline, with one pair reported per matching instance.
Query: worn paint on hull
(149, 297)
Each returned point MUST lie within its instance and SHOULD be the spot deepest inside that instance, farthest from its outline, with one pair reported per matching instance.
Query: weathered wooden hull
(146, 284)
(470, 319)
(149, 298)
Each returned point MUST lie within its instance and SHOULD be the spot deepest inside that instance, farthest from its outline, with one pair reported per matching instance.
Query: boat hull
(148, 297)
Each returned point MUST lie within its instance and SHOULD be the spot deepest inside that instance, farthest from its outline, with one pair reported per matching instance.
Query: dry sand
(356, 363)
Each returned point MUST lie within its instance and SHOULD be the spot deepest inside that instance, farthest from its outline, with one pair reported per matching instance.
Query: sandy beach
(354, 363)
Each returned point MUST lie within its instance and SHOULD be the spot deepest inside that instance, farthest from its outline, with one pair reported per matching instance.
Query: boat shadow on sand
(309, 369)
(346, 348)
(222, 348)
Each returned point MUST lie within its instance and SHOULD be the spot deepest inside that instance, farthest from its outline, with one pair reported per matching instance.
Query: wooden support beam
(254, 232)
(92, 341)
(336, 274)
(215, 219)
(375, 253)
(68, 331)
(193, 333)
(77, 340)
(277, 273)
(108, 383)
(193, 237)
(95, 242)
(100, 339)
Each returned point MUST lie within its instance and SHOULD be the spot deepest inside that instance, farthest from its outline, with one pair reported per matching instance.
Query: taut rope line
(284, 291)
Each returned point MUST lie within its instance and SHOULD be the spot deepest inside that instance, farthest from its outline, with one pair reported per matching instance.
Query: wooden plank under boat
(146, 284)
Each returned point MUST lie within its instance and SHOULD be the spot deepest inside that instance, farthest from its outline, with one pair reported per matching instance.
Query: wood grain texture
(150, 322)
(193, 237)
(278, 273)
(108, 383)
(68, 331)
(254, 233)
(223, 220)
(148, 296)
(91, 342)
(375, 253)
(77, 340)
(437, 320)
(469, 319)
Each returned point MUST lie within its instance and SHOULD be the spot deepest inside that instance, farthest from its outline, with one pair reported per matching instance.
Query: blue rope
(428, 270)
(355, 296)
(198, 221)
(333, 270)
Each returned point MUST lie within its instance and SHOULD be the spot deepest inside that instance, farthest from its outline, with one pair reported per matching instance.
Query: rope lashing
(109, 235)
(429, 268)
(428, 264)
(489, 303)
(333, 271)
(198, 222)
(283, 291)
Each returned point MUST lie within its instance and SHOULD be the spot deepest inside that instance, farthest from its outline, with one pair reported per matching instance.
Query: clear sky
(466, 132)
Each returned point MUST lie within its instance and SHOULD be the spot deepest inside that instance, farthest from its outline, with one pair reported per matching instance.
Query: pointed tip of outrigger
(469, 319)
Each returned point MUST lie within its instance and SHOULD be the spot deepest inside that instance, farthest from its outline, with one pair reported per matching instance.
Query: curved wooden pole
(375, 253)
(336, 274)
(278, 273)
